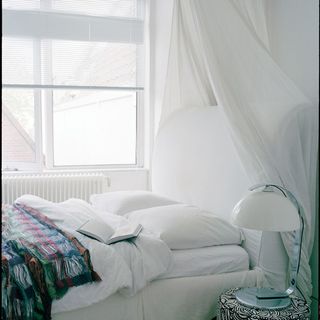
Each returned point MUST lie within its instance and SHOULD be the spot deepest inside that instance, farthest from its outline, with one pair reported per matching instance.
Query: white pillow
(122, 202)
(71, 212)
(48, 208)
(186, 227)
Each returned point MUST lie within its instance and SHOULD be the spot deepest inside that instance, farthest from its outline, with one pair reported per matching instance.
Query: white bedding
(125, 266)
(207, 260)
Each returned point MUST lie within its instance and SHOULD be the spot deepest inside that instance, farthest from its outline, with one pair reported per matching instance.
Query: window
(72, 75)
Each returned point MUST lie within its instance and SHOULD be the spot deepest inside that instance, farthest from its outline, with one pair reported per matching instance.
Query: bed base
(189, 298)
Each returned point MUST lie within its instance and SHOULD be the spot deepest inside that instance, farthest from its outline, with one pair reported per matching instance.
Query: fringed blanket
(39, 263)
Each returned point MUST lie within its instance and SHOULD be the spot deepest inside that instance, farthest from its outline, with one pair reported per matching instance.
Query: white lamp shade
(267, 211)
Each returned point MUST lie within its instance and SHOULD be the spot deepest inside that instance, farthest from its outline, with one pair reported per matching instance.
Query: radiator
(53, 187)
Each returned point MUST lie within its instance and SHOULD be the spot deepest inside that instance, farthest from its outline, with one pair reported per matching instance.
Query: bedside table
(231, 309)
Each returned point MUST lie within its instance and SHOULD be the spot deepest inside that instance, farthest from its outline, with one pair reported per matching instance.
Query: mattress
(207, 260)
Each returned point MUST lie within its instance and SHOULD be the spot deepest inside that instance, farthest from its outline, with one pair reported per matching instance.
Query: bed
(194, 164)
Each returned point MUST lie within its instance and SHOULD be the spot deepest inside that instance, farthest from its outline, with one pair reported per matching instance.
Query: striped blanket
(39, 263)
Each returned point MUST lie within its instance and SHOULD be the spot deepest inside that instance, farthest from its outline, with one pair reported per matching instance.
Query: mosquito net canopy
(219, 57)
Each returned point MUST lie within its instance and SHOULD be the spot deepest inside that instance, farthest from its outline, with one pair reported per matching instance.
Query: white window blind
(117, 8)
(17, 61)
(93, 63)
(84, 49)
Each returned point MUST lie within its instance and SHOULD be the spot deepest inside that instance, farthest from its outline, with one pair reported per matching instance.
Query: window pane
(18, 133)
(92, 63)
(17, 61)
(94, 127)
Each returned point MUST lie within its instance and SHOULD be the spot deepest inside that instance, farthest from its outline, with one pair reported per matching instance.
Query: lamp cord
(302, 229)
(302, 295)
(301, 237)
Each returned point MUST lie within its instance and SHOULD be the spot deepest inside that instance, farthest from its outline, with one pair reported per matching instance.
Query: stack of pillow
(180, 226)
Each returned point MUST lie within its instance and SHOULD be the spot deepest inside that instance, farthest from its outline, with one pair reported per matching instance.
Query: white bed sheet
(207, 260)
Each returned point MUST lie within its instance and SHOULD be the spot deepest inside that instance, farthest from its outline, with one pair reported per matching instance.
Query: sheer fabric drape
(219, 56)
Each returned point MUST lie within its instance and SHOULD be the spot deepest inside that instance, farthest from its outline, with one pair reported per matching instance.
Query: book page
(125, 232)
(97, 229)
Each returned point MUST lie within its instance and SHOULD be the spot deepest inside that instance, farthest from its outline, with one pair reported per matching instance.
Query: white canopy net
(219, 56)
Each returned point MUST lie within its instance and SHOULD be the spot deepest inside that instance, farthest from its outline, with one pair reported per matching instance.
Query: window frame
(43, 101)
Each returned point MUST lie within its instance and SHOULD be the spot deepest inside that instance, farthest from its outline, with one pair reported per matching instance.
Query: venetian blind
(69, 43)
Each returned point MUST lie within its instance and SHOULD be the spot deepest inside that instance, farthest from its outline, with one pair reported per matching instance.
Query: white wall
(294, 42)
(128, 179)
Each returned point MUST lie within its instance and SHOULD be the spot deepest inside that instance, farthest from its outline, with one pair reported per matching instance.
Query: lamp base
(263, 298)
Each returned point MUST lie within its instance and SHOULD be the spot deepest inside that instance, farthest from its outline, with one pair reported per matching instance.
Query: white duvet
(125, 266)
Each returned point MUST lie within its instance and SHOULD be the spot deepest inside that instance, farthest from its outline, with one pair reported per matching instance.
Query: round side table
(231, 309)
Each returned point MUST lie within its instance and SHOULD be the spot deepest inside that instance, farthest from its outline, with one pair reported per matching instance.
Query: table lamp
(272, 208)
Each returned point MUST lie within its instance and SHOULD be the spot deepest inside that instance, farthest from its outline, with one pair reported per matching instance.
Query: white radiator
(53, 187)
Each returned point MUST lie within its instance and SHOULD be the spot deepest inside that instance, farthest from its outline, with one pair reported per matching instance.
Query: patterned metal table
(231, 309)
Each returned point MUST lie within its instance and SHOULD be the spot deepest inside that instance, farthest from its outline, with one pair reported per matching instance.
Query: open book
(102, 232)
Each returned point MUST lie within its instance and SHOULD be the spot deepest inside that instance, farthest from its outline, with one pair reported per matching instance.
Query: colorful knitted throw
(39, 263)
